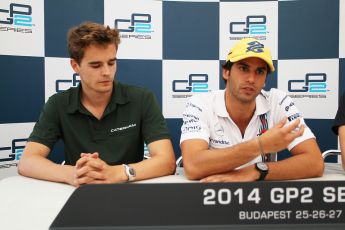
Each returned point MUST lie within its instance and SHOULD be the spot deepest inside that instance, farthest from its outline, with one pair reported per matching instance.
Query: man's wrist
(118, 174)
(262, 169)
(261, 149)
(122, 177)
(130, 172)
(256, 173)
(69, 174)
(255, 148)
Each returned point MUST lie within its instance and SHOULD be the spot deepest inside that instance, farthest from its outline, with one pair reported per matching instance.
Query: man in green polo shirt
(103, 123)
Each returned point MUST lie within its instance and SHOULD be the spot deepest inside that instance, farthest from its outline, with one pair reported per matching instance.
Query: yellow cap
(250, 47)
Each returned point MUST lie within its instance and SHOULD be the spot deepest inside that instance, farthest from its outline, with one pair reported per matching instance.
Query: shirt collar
(262, 105)
(220, 104)
(74, 99)
(119, 96)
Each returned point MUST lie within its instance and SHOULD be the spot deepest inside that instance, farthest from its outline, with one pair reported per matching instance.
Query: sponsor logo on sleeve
(294, 116)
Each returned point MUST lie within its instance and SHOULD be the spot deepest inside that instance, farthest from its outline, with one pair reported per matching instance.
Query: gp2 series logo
(195, 83)
(63, 85)
(139, 23)
(313, 83)
(19, 15)
(254, 25)
(16, 148)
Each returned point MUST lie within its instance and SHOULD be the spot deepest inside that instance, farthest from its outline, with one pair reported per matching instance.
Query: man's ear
(74, 65)
(226, 74)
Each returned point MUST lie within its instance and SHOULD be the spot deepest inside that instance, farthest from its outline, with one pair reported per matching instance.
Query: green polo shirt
(131, 118)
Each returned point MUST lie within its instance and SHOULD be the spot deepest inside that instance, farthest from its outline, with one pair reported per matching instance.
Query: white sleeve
(195, 124)
(287, 108)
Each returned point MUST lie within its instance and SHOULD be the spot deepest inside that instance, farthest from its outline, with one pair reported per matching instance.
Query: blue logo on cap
(255, 47)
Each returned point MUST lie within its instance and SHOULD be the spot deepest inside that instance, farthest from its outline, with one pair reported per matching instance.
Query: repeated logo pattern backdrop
(175, 48)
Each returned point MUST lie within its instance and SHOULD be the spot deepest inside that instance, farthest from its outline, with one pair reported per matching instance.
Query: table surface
(28, 203)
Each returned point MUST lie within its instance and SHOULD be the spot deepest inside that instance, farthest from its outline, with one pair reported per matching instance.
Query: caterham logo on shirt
(123, 128)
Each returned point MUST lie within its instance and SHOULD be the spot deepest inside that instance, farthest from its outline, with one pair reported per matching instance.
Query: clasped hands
(91, 169)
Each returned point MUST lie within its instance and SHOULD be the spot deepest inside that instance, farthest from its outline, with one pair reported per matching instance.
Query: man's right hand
(281, 135)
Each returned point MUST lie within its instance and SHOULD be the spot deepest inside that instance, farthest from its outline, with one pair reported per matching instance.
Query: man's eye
(95, 66)
(261, 71)
(243, 68)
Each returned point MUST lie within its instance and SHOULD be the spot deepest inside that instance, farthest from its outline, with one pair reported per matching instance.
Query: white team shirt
(205, 117)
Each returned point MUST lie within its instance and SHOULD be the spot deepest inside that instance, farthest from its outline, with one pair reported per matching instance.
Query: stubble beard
(242, 97)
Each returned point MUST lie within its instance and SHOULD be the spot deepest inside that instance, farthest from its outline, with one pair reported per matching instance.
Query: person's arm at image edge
(341, 133)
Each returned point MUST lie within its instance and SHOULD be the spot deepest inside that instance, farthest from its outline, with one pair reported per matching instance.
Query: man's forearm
(295, 167)
(154, 167)
(44, 169)
(214, 161)
(341, 132)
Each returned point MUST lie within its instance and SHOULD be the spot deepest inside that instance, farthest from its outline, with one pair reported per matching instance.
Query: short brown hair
(89, 33)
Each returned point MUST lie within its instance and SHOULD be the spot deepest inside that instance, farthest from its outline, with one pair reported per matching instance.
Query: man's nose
(251, 77)
(105, 70)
